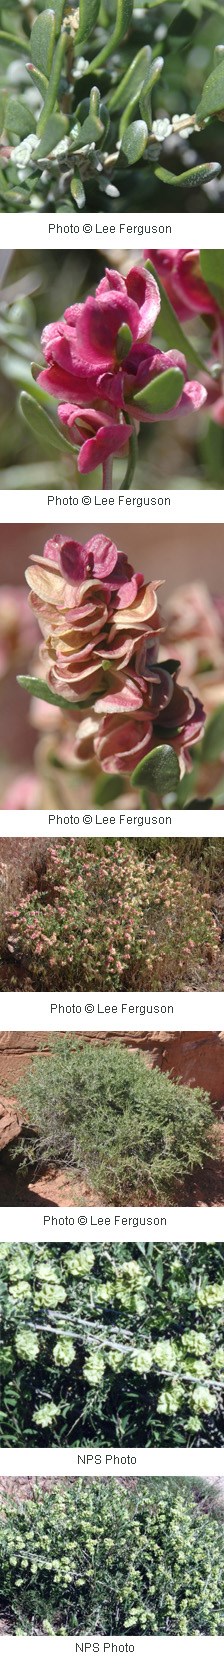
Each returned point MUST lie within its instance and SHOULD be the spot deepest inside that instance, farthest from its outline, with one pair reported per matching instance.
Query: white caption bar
(163, 507)
(164, 1652)
(141, 1461)
(79, 231)
(93, 1010)
(38, 824)
(125, 1225)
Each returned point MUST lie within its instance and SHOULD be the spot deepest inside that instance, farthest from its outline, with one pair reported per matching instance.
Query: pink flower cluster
(182, 279)
(179, 270)
(101, 365)
(101, 624)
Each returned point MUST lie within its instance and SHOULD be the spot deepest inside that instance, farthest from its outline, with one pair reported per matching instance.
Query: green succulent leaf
(132, 82)
(55, 130)
(77, 190)
(212, 98)
(123, 20)
(88, 15)
(149, 83)
(19, 120)
(42, 42)
(35, 686)
(42, 425)
(159, 772)
(134, 141)
(109, 788)
(10, 39)
(162, 393)
(200, 175)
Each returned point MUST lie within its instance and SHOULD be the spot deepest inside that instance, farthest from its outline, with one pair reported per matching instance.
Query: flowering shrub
(105, 915)
(94, 103)
(112, 1343)
(131, 1131)
(97, 1557)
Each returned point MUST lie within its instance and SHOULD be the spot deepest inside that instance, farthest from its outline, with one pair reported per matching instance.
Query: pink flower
(98, 559)
(100, 437)
(140, 717)
(87, 342)
(101, 625)
(87, 621)
(179, 270)
(141, 368)
(100, 352)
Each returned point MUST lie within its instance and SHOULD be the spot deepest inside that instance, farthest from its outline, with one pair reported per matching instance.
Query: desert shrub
(104, 1112)
(113, 1342)
(101, 1558)
(102, 917)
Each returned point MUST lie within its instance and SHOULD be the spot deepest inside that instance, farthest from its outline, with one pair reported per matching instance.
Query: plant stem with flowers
(101, 628)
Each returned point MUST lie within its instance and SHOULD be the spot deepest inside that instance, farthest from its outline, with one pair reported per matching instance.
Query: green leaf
(88, 15)
(149, 83)
(159, 771)
(58, 9)
(35, 686)
(162, 393)
(109, 788)
(19, 120)
(212, 745)
(212, 268)
(169, 324)
(42, 425)
(93, 127)
(77, 191)
(130, 86)
(9, 39)
(123, 19)
(53, 83)
(212, 98)
(192, 176)
(55, 130)
(38, 79)
(134, 141)
(42, 42)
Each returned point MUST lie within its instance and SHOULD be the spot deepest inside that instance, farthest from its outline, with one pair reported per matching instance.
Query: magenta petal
(104, 555)
(73, 560)
(143, 289)
(123, 697)
(193, 394)
(98, 325)
(106, 443)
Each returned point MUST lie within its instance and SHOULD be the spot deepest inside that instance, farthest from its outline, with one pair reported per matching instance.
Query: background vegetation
(112, 1343)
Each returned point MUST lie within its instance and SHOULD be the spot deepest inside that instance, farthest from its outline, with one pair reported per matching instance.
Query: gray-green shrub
(130, 1130)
